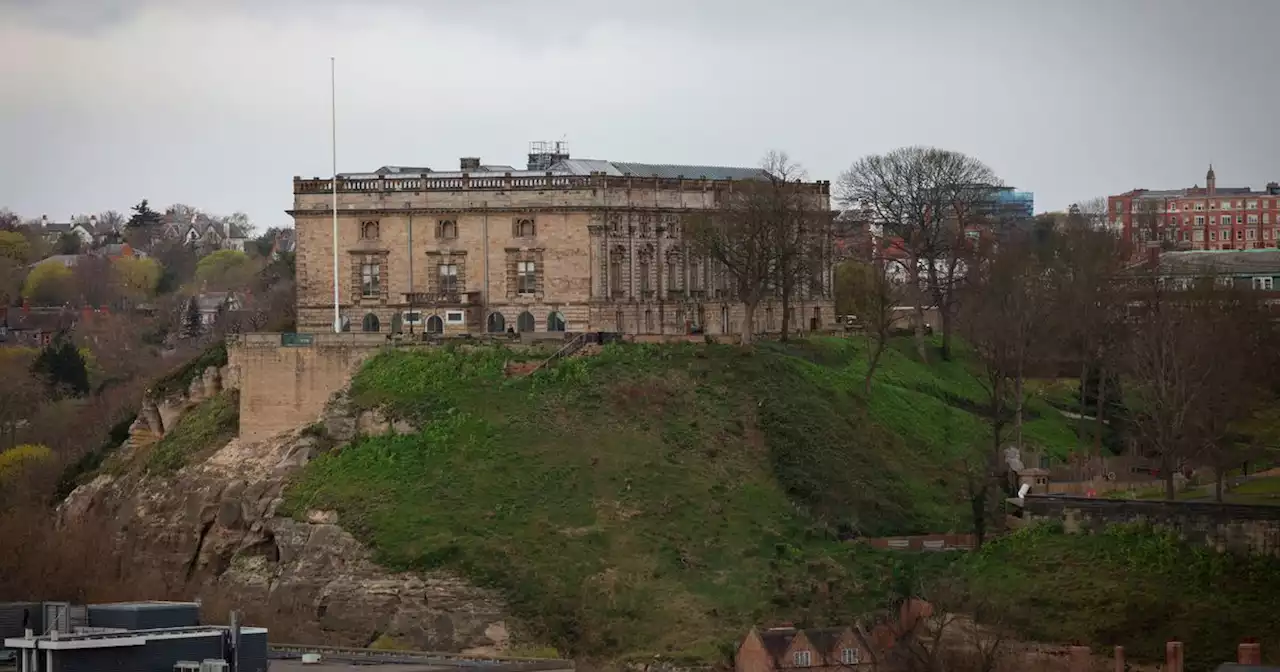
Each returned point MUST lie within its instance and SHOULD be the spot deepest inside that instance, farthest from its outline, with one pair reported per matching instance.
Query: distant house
(68, 260)
(786, 648)
(210, 304)
(1243, 269)
(87, 229)
(208, 234)
(284, 243)
(830, 649)
(33, 327)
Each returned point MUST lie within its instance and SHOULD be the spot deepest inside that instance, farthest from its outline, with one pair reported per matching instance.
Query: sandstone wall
(212, 530)
(1234, 527)
(285, 386)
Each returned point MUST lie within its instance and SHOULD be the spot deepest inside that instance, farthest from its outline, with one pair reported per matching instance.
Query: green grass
(1129, 586)
(655, 499)
(208, 426)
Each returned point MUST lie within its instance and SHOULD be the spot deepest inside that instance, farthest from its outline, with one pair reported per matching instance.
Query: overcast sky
(219, 103)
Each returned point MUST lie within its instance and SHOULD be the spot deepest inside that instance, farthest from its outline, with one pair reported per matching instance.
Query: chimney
(1078, 659)
(44, 221)
(1249, 652)
(469, 163)
(1173, 656)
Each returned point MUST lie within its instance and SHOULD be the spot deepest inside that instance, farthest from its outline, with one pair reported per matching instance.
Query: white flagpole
(333, 116)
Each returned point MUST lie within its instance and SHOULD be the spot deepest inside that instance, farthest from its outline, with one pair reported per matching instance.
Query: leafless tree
(1172, 361)
(875, 290)
(926, 198)
(21, 395)
(759, 227)
(800, 230)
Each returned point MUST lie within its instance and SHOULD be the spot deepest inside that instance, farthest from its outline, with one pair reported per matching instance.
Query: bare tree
(926, 198)
(21, 395)
(875, 290)
(801, 233)
(1171, 360)
(739, 235)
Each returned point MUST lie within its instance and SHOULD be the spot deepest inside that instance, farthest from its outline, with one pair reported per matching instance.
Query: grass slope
(654, 499)
(206, 427)
(1130, 586)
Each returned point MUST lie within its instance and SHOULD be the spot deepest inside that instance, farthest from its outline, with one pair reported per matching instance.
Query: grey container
(144, 615)
(253, 652)
(157, 655)
(11, 618)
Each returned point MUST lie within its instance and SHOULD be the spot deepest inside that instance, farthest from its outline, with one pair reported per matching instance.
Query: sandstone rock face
(212, 529)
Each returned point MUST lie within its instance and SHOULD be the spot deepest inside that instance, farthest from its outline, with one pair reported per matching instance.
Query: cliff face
(210, 529)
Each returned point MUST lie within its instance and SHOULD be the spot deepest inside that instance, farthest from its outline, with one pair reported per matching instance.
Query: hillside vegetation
(656, 499)
(1130, 586)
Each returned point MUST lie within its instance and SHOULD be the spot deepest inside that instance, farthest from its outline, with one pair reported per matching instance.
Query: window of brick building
(803, 659)
(648, 320)
(447, 229)
(497, 323)
(1253, 219)
(435, 325)
(555, 321)
(1250, 234)
(1199, 220)
(1226, 220)
(1213, 235)
(848, 656)
(526, 277)
(616, 286)
(524, 228)
(1239, 234)
(524, 322)
(370, 323)
(370, 279)
(369, 230)
(448, 278)
(1262, 283)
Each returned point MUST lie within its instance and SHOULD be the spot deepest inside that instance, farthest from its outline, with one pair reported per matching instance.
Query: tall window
(1225, 220)
(526, 277)
(370, 279)
(848, 656)
(695, 275)
(616, 288)
(648, 320)
(644, 273)
(1262, 283)
(448, 278)
(803, 659)
(555, 321)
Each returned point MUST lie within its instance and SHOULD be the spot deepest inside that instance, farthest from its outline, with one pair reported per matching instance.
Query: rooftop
(1206, 262)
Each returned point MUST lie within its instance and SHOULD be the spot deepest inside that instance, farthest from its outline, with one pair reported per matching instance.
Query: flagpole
(333, 117)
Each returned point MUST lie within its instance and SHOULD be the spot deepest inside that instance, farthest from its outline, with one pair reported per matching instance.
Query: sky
(218, 104)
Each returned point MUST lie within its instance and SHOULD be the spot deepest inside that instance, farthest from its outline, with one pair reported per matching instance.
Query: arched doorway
(496, 323)
(435, 325)
(524, 322)
(370, 323)
(555, 321)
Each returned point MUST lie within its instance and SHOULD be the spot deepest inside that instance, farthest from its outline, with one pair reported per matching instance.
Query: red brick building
(1198, 218)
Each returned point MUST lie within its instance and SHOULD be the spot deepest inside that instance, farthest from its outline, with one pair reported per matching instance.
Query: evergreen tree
(62, 368)
(191, 326)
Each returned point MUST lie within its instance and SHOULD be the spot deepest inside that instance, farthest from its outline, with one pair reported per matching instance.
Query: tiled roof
(1205, 262)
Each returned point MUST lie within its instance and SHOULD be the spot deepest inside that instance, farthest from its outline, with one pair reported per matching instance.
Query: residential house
(830, 649)
(211, 304)
(33, 327)
(284, 243)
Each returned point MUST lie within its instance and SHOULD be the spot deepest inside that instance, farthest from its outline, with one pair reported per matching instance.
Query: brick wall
(1235, 527)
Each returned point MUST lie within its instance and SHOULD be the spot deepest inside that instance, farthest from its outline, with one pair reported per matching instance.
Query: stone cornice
(328, 213)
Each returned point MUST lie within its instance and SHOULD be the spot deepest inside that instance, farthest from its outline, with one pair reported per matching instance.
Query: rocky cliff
(210, 529)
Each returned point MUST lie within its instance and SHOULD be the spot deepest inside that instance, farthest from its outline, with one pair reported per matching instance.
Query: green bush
(210, 425)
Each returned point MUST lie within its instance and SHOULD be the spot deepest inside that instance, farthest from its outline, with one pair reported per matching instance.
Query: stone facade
(526, 252)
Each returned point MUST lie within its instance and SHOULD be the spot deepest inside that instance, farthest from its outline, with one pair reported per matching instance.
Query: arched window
(646, 263)
(435, 325)
(524, 322)
(370, 323)
(525, 228)
(369, 230)
(695, 275)
(448, 229)
(497, 323)
(555, 321)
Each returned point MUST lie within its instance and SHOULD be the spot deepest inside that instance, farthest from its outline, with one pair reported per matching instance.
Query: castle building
(565, 245)
(1198, 218)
